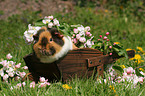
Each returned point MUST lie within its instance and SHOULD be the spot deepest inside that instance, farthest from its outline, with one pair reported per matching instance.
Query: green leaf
(1, 66)
(99, 44)
(116, 49)
(115, 67)
(138, 72)
(39, 24)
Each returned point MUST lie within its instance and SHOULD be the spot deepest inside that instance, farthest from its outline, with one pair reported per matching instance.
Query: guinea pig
(50, 45)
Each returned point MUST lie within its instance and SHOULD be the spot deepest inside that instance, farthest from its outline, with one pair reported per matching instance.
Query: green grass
(125, 28)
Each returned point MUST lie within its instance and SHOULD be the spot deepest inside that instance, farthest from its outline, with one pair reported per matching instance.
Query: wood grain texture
(83, 62)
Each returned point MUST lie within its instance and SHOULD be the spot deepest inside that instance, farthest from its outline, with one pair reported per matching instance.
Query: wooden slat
(76, 62)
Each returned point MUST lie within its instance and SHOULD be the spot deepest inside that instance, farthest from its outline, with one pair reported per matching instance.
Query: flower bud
(107, 33)
(100, 36)
(110, 54)
(105, 37)
(9, 56)
(110, 47)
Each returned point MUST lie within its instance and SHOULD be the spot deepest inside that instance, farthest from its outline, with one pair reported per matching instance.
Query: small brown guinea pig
(50, 45)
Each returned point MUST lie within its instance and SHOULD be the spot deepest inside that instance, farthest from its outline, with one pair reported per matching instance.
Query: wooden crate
(80, 62)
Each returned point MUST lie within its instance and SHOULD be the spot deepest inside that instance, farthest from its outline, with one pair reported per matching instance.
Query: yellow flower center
(117, 42)
(122, 66)
(66, 86)
(140, 49)
(141, 69)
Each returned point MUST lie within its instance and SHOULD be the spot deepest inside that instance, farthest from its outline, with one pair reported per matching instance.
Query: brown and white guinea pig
(50, 45)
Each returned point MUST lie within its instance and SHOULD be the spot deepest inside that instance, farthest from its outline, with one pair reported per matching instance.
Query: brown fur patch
(39, 46)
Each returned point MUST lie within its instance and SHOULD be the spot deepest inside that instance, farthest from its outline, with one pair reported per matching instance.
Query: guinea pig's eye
(51, 39)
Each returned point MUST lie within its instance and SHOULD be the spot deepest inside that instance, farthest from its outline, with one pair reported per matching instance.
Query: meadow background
(124, 19)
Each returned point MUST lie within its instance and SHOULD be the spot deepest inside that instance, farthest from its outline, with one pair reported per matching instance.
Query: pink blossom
(110, 53)
(18, 65)
(75, 40)
(107, 33)
(105, 37)
(114, 44)
(22, 74)
(5, 63)
(75, 30)
(78, 36)
(124, 74)
(17, 78)
(88, 33)
(47, 83)
(129, 70)
(32, 84)
(50, 25)
(42, 79)
(9, 56)
(5, 77)
(42, 85)
(23, 84)
(25, 67)
(73, 35)
(110, 47)
(98, 39)
(19, 85)
(140, 79)
(11, 74)
(100, 36)
(82, 39)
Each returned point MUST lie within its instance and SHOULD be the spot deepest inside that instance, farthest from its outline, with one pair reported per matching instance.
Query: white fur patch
(68, 45)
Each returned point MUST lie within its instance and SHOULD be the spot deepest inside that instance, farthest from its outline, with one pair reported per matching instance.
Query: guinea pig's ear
(44, 28)
(35, 37)
(56, 33)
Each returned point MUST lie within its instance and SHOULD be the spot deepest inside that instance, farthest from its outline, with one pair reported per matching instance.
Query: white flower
(50, 17)
(32, 84)
(9, 56)
(87, 28)
(56, 22)
(75, 30)
(5, 63)
(81, 28)
(42, 79)
(23, 84)
(11, 88)
(50, 25)
(17, 77)
(89, 43)
(1, 72)
(140, 79)
(28, 35)
(22, 74)
(10, 70)
(5, 77)
(82, 33)
(82, 39)
(18, 65)
(46, 21)
(78, 36)
(11, 74)
(128, 70)
(18, 85)
(25, 67)
(142, 73)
